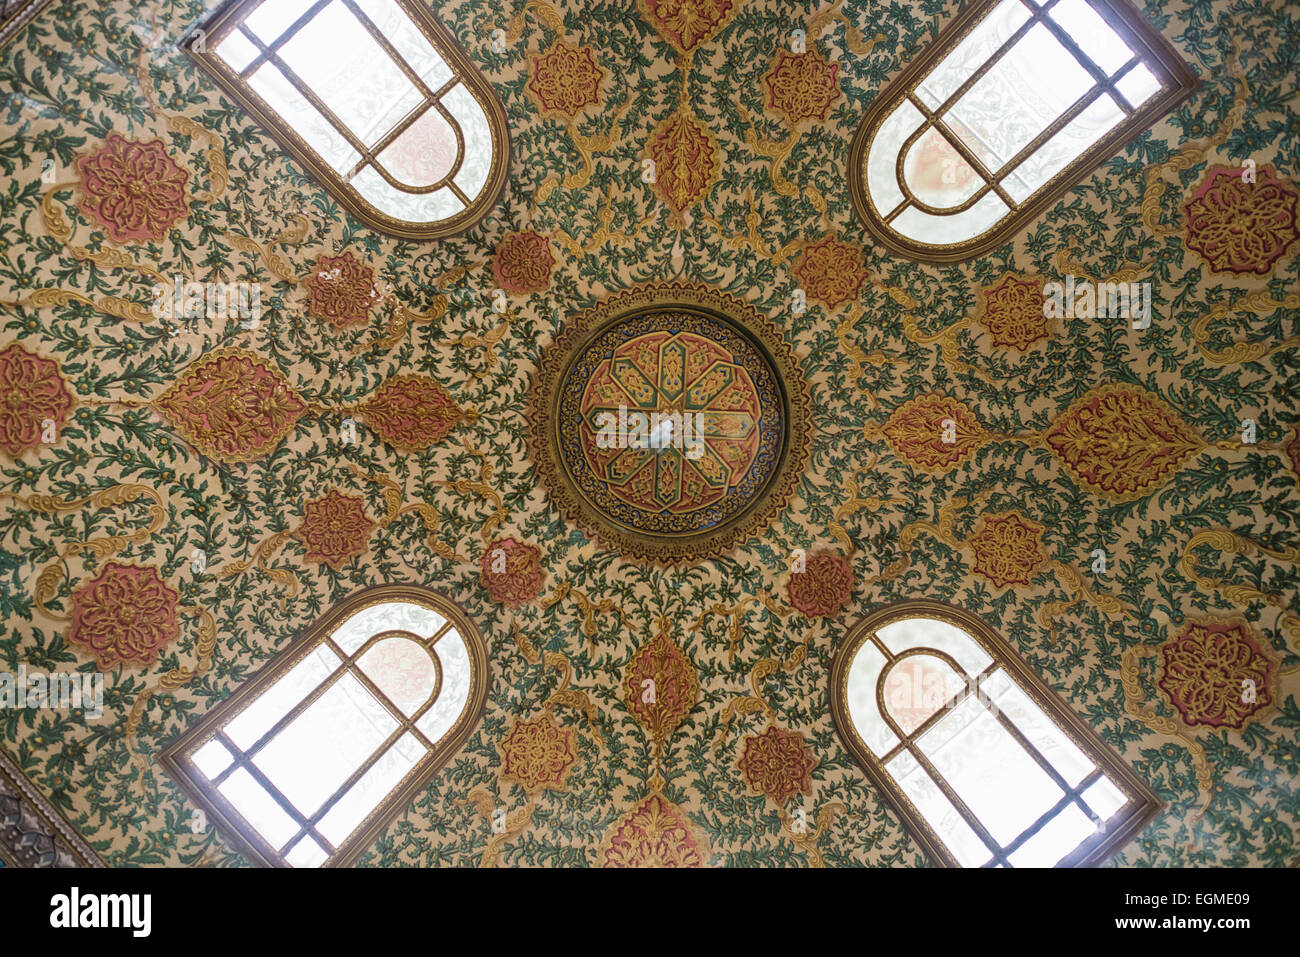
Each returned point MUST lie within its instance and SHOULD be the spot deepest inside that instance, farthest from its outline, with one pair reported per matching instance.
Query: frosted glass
(937, 174)
(213, 758)
(276, 701)
(273, 17)
(917, 687)
(258, 808)
(1138, 85)
(282, 96)
(1101, 116)
(1104, 798)
(306, 853)
(350, 72)
(237, 50)
(1058, 837)
(325, 744)
(969, 55)
(409, 42)
(1094, 36)
(402, 670)
(1062, 753)
(367, 794)
(951, 227)
(882, 177)
(386, 616)
(938, 811)
(460, 103)
(1033, 84)
(997, 778)
(457, 675)
(900, 636)
(864, 671)
(424, 153)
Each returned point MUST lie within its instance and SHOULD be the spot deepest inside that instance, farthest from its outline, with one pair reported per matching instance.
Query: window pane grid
(429, 99)
(983, 788)
(908, 743)
(1103, 84)
(1004, 112)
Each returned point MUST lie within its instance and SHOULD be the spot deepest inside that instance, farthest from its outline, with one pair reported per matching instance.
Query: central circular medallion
(670, 422)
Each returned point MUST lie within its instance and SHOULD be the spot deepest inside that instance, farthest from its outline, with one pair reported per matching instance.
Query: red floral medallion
(687, 23)
(411, 412)
(342, 290)
(685, 155)
(33, 395)
(1121, 441)
(777, 763)
(523, 262)
(823, 587)
(1008, 549)
(660, 685)
(335, 528)
(802, 86)
(566, 79)
(231, 405)
(933, 432)
(655, 833)
(133, 190)
(1012, 312)
(1216, 673)
(126, 614)
(1240, 227)
(512, 572)
(537, 754)
(831, 271)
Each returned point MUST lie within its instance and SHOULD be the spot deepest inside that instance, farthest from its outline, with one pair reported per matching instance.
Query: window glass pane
(998, 780)
(1034, 83)
(457, 675)
(945, 819)
(273, 17)
(402, 670)
(282, 96)
(882, 177)
(1062, 753)
(325, 744)
(258, 808)
(861, 699)
(387, 616)
(465, 110)
(306, 853)
(980, 44)
(952, 227)
(424, 153)
(1138, 85)
(407, 39)
(937, 174)
(213, 758)
(409, 207)
(375, 785)
(350, 72)
(1079, 134)
(237, 50)
(899, 636)
(1094, 36)
(918, 686)
(1058, 837)
(1104, 798)
(274, 703)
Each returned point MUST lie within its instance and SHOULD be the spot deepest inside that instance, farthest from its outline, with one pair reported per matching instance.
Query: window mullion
(266, 52)
(960, 805)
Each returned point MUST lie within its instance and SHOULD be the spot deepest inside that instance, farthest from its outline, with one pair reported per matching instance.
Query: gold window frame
(1151, 49)
(1121, 827)
(230, 18)
(177, 759)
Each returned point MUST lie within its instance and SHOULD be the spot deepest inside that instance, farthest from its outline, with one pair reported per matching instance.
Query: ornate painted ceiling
(211, 486)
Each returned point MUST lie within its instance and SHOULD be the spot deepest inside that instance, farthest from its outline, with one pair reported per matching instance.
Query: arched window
(304, 765)
(985, 765)
(1014, 103)
(374, 97)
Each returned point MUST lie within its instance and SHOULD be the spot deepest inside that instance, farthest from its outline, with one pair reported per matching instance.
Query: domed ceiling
(182, 498)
